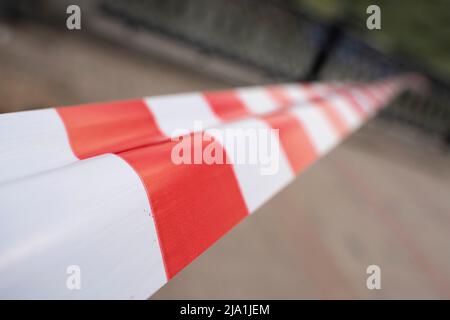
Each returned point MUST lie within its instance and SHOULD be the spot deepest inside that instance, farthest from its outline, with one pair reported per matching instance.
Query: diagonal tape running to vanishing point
(97, 186)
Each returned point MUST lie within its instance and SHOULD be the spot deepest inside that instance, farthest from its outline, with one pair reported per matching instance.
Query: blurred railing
(286, 45)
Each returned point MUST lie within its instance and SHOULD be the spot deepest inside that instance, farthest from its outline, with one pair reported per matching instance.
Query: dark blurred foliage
(419, 29)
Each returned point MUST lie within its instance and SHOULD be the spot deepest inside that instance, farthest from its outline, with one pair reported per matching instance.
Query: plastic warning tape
(94, 185)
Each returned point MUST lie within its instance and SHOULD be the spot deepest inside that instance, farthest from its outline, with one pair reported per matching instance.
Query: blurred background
(382, 197)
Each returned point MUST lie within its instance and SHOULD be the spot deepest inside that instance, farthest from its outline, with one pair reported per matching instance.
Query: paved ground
(373, 200)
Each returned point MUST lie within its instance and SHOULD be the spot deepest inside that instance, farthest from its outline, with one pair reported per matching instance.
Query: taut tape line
(95, 186)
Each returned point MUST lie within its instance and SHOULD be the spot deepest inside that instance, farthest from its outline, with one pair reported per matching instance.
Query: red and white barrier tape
(94, 185)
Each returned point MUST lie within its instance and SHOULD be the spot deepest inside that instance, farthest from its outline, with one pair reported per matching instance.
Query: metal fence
(286, 45)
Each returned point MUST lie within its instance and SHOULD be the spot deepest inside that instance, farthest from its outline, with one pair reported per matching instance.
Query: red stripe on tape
(294, 140)
(279, 95)
(226, 104)
(333, 116)
(322, 102)
(98, 128)
(346, 94)
(193, 204)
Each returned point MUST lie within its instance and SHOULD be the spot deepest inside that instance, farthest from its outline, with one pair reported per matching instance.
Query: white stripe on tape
(181, 112)
(32, 142)
(47, 220)
(318, 128)
(257, 100)
(256, 186)
(350, 117)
